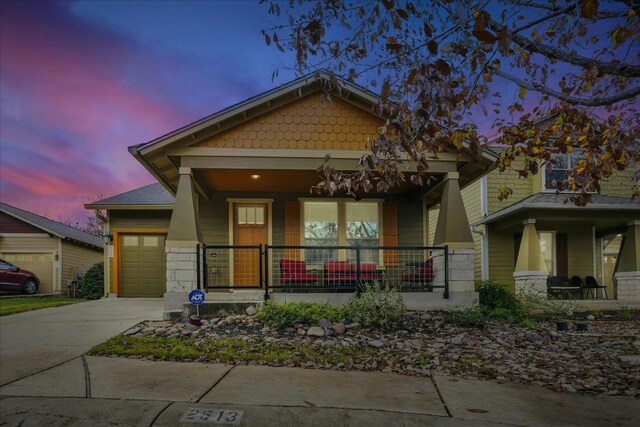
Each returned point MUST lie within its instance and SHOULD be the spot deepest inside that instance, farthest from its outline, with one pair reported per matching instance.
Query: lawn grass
(19, 305)
(232, 350)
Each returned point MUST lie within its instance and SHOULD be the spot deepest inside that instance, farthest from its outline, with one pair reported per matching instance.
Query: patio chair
(369, 273)
(577, 285)
(339, 273)
(294, 272)
(418, 276)
(592, 286)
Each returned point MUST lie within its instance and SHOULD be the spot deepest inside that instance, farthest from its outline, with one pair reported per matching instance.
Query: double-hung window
(558, 171)
(341, 223)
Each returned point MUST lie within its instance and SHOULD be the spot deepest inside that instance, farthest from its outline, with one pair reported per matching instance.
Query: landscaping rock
(339, 328)
(354, 326)
(376, 343)
(324, 323)
(131, 331)
(251, 310)
(301, 331)
(315, 331)
(190, 327)
(195, 320)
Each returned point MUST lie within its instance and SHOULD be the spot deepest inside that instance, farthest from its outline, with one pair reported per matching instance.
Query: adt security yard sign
(196, 297)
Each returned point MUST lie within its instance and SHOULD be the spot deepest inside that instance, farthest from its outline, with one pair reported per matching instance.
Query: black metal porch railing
(232, 266)
(284, 268)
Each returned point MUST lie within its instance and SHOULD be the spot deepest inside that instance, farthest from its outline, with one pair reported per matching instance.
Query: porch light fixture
(256, 176)
(107, 238)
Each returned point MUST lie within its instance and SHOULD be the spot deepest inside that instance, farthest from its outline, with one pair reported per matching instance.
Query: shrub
(280, 316)
(93, 283)
(500, 302)
(474, 317)
(376, 307)
(497, 301)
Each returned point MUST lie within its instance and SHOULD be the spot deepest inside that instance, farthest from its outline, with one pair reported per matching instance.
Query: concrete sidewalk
(116, 391)
(36, 340)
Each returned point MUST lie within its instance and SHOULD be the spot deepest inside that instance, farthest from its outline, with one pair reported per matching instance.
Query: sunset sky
(82, 80)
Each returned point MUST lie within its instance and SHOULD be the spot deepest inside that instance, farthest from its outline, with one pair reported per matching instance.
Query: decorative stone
(301, 331)
(289, 331)
(195, 320)
(251, 310)
(325, 323)
(354, 326)
(131, 331)
(315, 331)
(376, 343)
(339, 328)
(189, 327)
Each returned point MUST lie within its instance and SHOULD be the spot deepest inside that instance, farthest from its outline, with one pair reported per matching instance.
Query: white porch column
(183, 237)
(531, 272)
(628, 272)
(453, 230)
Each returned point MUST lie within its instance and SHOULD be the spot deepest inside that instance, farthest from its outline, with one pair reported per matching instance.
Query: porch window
(558, 172)
(547, 246)
(341, 222)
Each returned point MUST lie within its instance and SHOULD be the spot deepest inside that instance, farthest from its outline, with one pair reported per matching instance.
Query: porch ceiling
(298, 181)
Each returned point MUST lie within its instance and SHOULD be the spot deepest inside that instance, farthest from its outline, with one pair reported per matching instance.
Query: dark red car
(13, 278)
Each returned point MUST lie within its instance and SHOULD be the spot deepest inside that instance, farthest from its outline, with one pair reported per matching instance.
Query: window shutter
(292, 228)
(390, 232)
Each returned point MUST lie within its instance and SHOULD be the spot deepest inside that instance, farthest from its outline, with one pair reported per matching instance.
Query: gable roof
(53, 227)
(159, 155)
(557, 202)
(150, 195)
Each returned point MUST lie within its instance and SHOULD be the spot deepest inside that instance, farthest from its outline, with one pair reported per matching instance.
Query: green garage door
(143, 262)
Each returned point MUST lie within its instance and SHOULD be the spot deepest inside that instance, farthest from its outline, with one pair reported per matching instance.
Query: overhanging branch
(587, 102)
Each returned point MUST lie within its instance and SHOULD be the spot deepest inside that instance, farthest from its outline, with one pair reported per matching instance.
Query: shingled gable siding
(311, 123)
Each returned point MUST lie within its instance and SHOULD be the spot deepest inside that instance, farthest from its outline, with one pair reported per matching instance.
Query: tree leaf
(589, 9)
(522, 92)
(433, 47)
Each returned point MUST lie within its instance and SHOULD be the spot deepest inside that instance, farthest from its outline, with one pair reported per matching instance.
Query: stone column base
(628, 288)
(461, 274)
(531, 283)
(181, 268)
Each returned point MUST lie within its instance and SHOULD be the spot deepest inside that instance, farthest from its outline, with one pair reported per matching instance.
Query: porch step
(219, 308)
(252, 296)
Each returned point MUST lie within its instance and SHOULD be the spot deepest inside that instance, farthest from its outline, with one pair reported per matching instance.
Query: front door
(250, 227)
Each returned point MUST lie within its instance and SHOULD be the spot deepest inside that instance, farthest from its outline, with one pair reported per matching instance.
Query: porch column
(183, 237)
(453, 230)
(628, 272)
(531, 272)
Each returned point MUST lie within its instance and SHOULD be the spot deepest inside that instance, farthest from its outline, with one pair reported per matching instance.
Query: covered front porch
(563, 251)
(242, 177)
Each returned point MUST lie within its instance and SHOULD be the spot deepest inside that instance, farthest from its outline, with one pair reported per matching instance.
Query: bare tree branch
(614, 68)
(587, 102)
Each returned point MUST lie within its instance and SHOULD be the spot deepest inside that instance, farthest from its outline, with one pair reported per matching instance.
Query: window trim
(543, 174)
(342, 220)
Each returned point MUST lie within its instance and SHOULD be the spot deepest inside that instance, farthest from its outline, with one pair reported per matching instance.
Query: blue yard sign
(196, 297)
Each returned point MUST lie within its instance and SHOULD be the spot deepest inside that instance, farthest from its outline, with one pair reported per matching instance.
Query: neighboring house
(561, 239)
(242, 177)
(55, 252)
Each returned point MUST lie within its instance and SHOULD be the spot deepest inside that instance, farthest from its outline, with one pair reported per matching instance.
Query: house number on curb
(212, 416)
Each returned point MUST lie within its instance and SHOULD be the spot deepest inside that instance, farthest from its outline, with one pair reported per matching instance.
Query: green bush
(497, 301)
(500, 302)
(376, 307)
(93, 282)
(280, 316)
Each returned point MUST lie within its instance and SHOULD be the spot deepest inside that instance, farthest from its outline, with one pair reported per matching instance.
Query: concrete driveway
(37, 340)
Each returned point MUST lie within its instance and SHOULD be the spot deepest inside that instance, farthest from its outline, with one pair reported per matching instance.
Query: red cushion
(295, 271)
